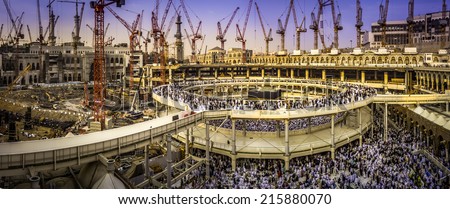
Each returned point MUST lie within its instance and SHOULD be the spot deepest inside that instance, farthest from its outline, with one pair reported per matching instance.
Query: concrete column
(372, 119)
(417, 78)
(333, 145)
(233, 143)
(363, 76)
(342, 75)
(432, 80)
(146, 169)
(447, 158)
(277, 126)
(216, 74)
(324, 74)
(248, 72)
(278, 73)
(442, 83)
(286, 163)
(385, 121)
(360, 126)
(207, 148)
(446, 107)
(286, 138)
(186, 148)
(309, 125)
(244, 132)
(292, 73)
(262, 72)
(306, 74)
(233, 162)
(386, 81)
(169, 161)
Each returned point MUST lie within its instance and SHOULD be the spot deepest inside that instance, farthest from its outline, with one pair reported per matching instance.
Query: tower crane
(267, 37)
(40, 38)
(134, 33)
(51, 24)
(240, 35)
(282, 28)
(410, 21)
(382, 21)
(16, 25)
(99, 57)
(29, 34)
(221, 34)
(336, 23)
(78, 19)
(298, 28)
(315, 20)
(195, 32)
(444, 23)
(359, 23)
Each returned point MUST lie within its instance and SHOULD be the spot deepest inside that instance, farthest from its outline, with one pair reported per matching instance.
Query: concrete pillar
(278, 73)
(360, 126)
(233, 142)
(386, 80)
(216, 73)
(385, 121)
(233, 162)
(286, 163)
(324, 74)
(169, 161)
(207, 148)
(262, 72)
(248, 72)
(309, 125)
(244, 132)
(277, 126)
(432, 80)
(372, 120)
(186, 148)
(442, 83)
(292, 73)
(447, 158)
(146, 168)
(342, 75)
(333, 145)
(446, 107)
(286, 138)
(306, 74)
(332, 153)
(363, 76)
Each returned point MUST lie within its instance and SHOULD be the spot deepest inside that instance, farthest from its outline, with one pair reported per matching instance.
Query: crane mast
(41, 32)
(99, 57)
(240, 35)
(298, 28)
(336, 24)
(267, 37)
(195, 32)
(51, 24)
(410, 21)
(382, 21)
(282, 28)
(221, 35)
(359, 23)
(77, 19)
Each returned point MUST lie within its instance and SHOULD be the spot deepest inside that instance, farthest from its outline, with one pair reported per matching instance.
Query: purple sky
(211, 11)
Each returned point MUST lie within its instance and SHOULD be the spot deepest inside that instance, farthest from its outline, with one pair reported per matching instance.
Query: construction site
(139, 114)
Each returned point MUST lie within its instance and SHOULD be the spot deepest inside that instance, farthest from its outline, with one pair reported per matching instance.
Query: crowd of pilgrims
(175, 91)
(377, 164)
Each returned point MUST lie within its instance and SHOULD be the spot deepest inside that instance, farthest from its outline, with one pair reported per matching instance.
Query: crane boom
(8, 10)
(41, 32)
(267, 37)
(29, 34)
(221, 34)
(241, 34)
(19, 77)
(336, 24)
(298, 28)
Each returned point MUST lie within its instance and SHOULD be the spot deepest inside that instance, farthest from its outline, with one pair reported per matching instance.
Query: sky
(210, 12)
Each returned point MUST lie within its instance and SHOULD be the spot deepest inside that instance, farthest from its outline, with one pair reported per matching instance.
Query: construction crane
(240, 35)
(16, 25)
(40, 38)
(92, 30)
(282, 28)
(1, 32)
(444, 22)
(134, 34)
(19, 77)
(78, 19)
(29, 34)
(410, 21)
(382, 21)
(336, 23)
(267, 37)
(298, 28)
(359, 23)
(195, 32)
(51, 24)
(315, 20)
(221, 34)
(99, 57)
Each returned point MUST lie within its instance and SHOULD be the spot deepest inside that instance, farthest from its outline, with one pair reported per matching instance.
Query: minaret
(179, 43)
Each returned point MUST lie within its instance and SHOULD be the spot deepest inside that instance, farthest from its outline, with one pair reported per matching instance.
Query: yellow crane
(19, 77)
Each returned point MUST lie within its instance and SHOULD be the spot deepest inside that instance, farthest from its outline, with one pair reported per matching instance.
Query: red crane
(282, 28)
(195, 32)
(158, 37)
(221, 34)
(267, 37)
(240, 35)
(134, 34)
(298, 28)
(99, 57)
